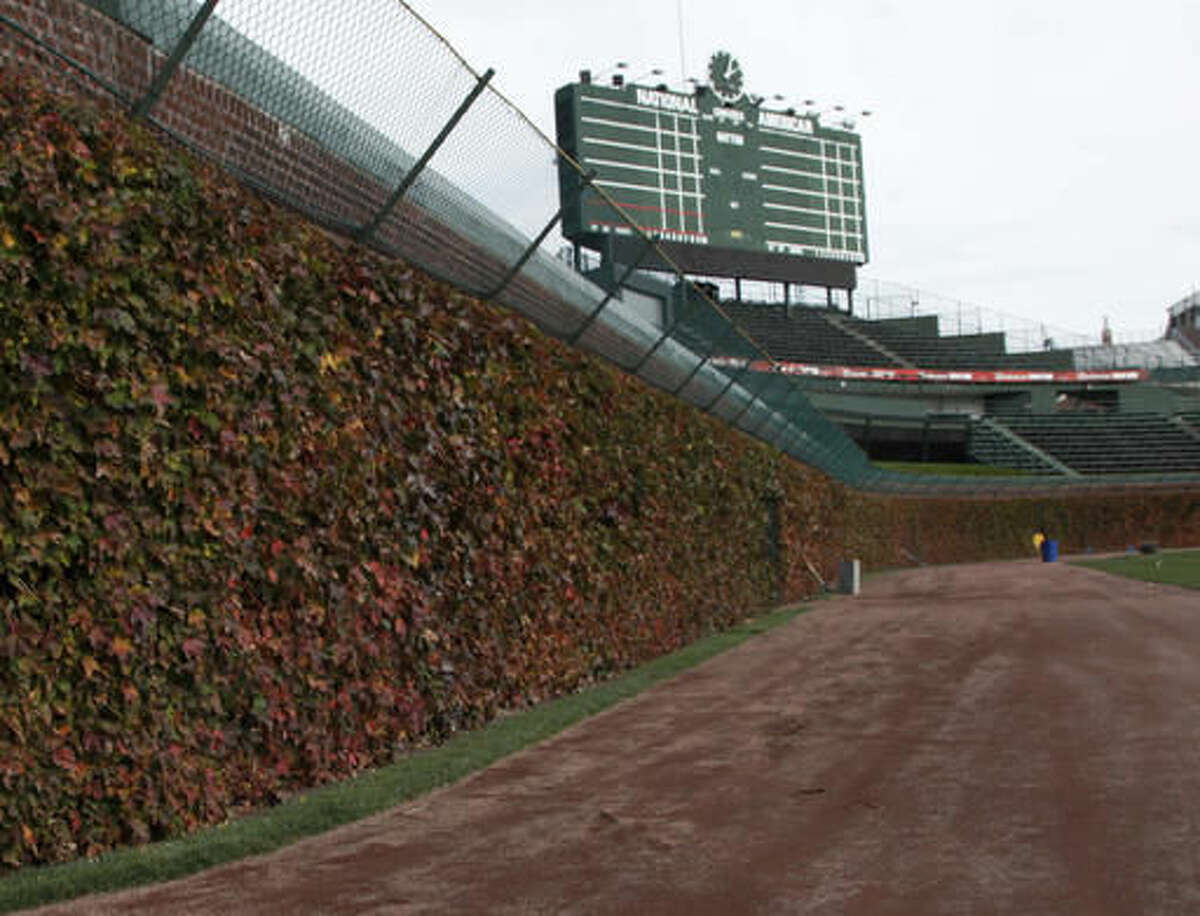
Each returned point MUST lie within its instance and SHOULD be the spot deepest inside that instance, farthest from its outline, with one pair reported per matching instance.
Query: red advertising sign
(944, 376)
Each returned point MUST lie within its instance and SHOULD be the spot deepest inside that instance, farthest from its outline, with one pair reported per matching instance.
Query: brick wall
(253, 145)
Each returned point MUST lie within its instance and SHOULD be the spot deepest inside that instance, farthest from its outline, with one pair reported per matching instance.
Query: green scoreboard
(730, 188)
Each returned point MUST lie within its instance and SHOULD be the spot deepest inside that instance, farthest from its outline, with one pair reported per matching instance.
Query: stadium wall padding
(274, 511)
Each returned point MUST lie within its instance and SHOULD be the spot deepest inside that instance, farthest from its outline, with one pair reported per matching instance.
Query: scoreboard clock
(730, 188)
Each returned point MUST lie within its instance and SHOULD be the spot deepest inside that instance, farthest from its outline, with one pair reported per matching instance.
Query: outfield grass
(1178, 567)
(331, 806)
(951, 470)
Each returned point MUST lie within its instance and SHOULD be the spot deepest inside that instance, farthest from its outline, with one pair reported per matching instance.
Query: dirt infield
(999, 738)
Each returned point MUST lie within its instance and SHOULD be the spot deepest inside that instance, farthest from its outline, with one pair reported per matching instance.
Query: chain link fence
(369, 123)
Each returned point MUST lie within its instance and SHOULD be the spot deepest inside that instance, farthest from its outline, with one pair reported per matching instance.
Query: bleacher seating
(990, 442)
(823, 337)
(918, 341)
(1110, 443)
(803, 335)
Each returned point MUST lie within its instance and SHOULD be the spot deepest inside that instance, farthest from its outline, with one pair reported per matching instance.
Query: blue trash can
(1049, 551)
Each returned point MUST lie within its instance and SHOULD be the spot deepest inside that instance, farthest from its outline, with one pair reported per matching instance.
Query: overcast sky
(1037, 157)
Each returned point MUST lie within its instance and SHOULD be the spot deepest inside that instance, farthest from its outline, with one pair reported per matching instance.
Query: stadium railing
(372, 125)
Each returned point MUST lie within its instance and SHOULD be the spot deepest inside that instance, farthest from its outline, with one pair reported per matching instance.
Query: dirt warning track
(1015, 738)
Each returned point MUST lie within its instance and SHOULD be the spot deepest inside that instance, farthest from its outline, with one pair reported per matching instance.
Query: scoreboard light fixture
(657, 71)
(602, 74)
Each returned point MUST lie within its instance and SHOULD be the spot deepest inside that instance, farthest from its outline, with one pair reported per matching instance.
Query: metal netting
(366, 120)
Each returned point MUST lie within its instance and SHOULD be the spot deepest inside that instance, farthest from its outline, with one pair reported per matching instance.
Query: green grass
(948, 469)
(1177, 567)
(330, 806)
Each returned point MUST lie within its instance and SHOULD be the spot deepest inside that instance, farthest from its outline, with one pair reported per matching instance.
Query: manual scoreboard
(712, 169)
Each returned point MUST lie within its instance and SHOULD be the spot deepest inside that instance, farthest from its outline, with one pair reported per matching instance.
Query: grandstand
(903, 390)
(827, 336)
(992, 390)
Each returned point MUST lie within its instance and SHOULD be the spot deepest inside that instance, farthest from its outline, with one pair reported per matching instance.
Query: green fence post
(750, 403)
(691, 375)
(587, 323)
(667, 332)
(178, 53)
(533, 246)
(779, 410)
(733, 379)
(410, 177)
(711, 350)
